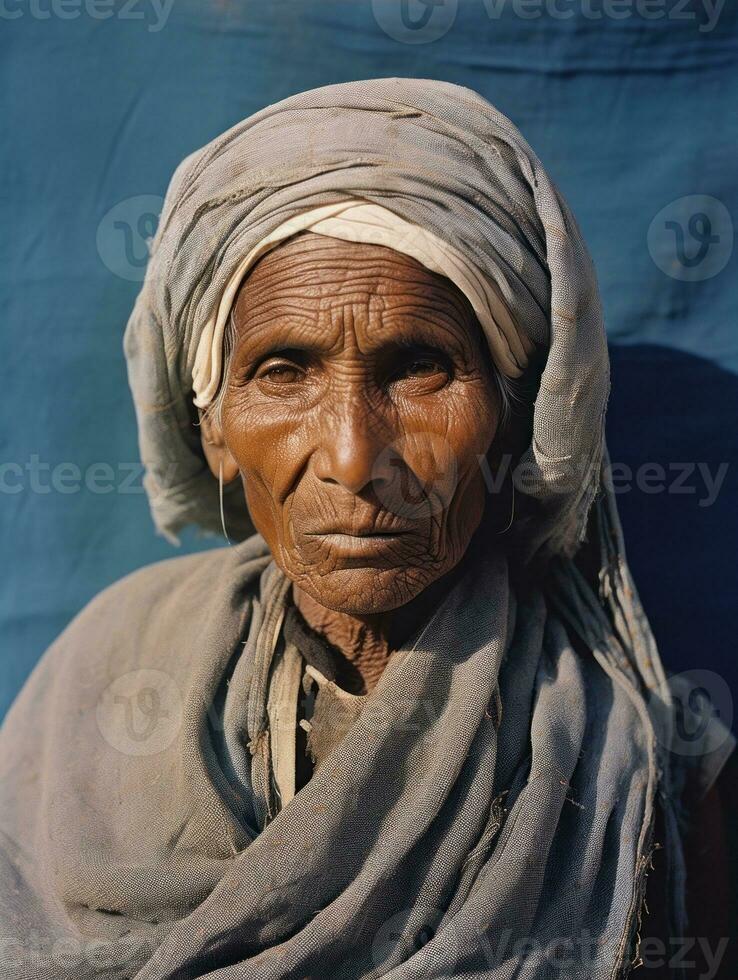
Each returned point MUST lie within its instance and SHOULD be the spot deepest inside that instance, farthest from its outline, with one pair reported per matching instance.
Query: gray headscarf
(490, 814)
(439, 156)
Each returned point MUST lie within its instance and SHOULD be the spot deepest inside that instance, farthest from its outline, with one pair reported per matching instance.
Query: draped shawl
(436, 154)
(490, 813)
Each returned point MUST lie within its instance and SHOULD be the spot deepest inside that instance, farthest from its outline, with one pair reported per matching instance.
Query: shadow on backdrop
(632, 117)
(671, 426)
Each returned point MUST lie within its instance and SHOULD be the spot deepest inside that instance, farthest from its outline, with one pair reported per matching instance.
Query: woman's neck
(364, 641)
(367, 642)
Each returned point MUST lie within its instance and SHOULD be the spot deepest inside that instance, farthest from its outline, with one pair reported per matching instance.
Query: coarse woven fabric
(490, 814)
(439, 156)
(496, 790)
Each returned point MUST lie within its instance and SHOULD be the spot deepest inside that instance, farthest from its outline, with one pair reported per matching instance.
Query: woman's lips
(367, 528)
(355, 543)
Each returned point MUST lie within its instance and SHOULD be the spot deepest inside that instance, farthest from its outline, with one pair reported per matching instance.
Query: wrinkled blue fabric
(627, 115)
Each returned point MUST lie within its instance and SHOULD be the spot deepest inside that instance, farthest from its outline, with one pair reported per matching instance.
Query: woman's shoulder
(147, 618)
(170, 587)
(150, 582)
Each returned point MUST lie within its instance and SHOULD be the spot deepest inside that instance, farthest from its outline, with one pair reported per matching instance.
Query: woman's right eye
(279, 372)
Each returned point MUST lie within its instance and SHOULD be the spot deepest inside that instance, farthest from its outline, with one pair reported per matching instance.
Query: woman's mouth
(364, 542)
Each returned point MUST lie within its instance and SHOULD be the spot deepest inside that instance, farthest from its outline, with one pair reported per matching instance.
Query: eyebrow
(284, 342)
(290, 326)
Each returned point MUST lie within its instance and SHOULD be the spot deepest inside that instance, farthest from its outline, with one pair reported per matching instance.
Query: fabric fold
(468, 810)
(491, 807)
(464, 191)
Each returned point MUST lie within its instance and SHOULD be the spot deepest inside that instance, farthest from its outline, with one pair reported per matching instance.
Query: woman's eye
(280, 372)
(423, 368)
(428, 369)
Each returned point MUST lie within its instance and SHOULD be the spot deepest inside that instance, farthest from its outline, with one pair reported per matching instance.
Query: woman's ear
(216, 451)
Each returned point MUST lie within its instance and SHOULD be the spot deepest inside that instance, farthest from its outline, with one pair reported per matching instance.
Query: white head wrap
(354, 220)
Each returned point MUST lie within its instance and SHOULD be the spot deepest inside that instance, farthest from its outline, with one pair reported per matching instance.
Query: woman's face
(358, 404)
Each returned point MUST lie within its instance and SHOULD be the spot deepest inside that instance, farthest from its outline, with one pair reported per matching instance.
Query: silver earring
(220, 497)
(512, 511)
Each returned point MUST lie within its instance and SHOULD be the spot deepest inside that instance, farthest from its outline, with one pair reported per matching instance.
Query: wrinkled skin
(303, 432)
(358, 405)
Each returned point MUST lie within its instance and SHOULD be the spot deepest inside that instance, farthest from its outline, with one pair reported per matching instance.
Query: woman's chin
(366, 590)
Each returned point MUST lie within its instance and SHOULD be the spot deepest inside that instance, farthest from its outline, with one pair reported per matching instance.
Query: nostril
(349, 460)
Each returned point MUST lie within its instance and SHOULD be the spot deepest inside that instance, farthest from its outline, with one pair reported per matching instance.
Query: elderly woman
(416, 726)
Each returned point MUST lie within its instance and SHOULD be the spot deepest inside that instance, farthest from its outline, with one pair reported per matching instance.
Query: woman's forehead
(311, 259)
(317, 289)
(310, 273)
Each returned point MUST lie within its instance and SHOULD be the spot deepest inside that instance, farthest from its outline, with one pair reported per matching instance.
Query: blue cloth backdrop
(630, 104)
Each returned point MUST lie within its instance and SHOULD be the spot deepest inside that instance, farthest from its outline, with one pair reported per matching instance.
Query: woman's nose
(354, 449)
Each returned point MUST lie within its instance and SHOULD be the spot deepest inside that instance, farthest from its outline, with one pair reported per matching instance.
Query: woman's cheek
(271, 456)
(450, 435)
(475, 424)
(252, 431)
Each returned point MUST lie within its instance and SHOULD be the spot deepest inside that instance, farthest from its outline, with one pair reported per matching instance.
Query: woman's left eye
(429, 369)
(423, 368)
